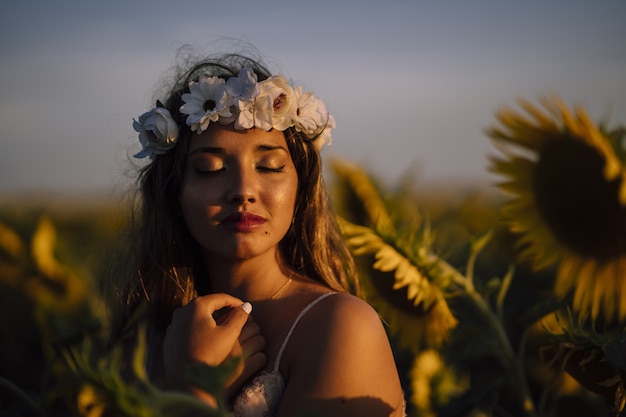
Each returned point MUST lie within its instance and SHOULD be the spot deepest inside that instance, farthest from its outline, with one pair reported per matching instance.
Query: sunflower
(434, 383)
(400, 275)
(568, 180)
(594, 359)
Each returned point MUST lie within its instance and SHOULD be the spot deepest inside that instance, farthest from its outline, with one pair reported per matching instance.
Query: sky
(412, 84)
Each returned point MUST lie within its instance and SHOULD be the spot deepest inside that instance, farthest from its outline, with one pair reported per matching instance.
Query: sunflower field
(507, 301)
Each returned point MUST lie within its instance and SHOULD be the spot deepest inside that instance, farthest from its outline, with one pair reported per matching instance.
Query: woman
(239, 255)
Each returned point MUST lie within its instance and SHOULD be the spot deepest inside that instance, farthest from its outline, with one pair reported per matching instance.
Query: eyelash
(260, 168)
(267, 169)
(204, 173)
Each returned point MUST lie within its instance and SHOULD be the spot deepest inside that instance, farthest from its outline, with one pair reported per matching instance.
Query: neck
(249, 280)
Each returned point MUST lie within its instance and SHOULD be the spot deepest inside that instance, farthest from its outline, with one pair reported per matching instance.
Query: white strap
(293, 326)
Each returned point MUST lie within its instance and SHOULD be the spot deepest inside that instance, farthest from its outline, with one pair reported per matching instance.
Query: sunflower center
(209, 105)
(577, 203)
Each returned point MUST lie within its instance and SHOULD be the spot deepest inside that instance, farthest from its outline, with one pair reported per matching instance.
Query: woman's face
(239, 190)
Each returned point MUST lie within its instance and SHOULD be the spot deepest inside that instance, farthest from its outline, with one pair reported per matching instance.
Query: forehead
(229, 140)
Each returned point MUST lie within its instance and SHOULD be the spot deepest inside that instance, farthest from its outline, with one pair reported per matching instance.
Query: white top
(262, 396)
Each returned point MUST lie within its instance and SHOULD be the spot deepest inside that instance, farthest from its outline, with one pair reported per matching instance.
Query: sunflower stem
(477, 248)
(507, 355)
(504, 289)
(495, 321)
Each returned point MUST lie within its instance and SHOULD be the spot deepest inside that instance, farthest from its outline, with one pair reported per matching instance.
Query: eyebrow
(208, 149)
(267, 148)
(221, 151)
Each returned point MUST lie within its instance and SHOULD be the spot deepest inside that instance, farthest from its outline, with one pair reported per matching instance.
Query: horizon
(412, 85)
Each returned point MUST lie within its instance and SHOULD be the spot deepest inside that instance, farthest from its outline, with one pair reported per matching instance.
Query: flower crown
(270, 104)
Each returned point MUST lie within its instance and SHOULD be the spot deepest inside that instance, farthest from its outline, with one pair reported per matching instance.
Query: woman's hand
(249, 347)
(197, 334)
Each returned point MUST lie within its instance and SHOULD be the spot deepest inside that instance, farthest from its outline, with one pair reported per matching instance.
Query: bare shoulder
(338, 315)
(343, 324)
(339, 351)
(343, 312)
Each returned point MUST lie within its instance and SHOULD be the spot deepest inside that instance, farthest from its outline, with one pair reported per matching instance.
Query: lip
(243, 221)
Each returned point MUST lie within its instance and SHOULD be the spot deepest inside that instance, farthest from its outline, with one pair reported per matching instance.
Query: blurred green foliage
(49, 256)
(489, 363)
(52, 320)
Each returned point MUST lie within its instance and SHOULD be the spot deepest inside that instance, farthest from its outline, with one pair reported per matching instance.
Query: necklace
(281, 289)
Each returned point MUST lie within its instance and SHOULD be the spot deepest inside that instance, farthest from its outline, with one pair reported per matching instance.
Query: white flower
(248, 116)
(325, 137)
(245, 116)
(244, 86)
(270, 104)
(157, 130)
(207, 101)
(311, 115)
(282, 103)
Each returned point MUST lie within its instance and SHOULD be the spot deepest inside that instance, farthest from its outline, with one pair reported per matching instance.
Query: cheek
(284, 199)
(195, 203)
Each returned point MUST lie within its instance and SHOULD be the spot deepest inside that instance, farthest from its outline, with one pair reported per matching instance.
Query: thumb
(233, 323)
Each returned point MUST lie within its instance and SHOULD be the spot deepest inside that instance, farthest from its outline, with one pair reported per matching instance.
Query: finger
(255, 363)
(253, 345)
(252, 365)
(213, 302)
(250, 329)
(234, 322)
(250, 341)
(205, 307)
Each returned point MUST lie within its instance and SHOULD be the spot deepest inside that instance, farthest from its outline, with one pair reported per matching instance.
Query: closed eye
(271, 169)
(204, 172)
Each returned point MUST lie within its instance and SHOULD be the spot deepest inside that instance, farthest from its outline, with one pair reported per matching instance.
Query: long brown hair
(166, 271)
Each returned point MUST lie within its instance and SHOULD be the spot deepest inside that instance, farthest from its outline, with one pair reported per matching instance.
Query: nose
(243, 187)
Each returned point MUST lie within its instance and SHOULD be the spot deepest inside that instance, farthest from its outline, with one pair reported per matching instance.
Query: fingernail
(247, 307)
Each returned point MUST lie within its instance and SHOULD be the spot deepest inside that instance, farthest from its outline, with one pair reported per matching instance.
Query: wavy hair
(166, 270)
